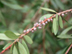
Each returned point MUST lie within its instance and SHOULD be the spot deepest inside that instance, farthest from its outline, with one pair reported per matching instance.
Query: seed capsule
(34, 24)
(48, 20)
(62, 14)
(32, 31)
(35, 28)
(43, 24)
(39, 27)
(39, 24)
(24, 31)
(51, 19)
(40, 21)
(27, 30)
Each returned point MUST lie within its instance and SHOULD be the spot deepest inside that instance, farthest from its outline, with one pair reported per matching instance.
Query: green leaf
(2, 19)
(28, 39)
(47, 9)
(6, 45)
(60, 22)
(54, 4)
(64, 36)
(55, 26)
(60, 4)
(11, 35)
(11, 49)
(57, 22)
(15, 50)
(25, 45)
(22, 49)
(4, 37)
(46, 15)
(11, 5)
(66, 30)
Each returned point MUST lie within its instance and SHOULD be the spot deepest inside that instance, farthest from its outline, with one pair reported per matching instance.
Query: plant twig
(23, 34)
(68, 49)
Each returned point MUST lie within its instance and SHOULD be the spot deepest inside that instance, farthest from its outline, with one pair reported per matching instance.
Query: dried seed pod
(62, 14)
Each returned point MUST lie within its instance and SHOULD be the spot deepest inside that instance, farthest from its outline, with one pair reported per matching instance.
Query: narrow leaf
(11, 35)
(46, 9)
(11, 5)
(28, 39)
(64, 36)
(15, 50)
(55, 26)
(60, 22)
(22, 49)
(25, 45)
(66, 30)
(4, 37)
(6, 45)
(60, 4)
(11, 49)
(2, 19)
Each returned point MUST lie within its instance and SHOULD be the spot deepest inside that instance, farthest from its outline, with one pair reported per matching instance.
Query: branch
(35, 26)
(68, 49)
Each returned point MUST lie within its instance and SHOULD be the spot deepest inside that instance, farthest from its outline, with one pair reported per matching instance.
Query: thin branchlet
(45, 21)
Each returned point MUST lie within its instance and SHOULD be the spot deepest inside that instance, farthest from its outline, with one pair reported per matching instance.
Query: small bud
(35, 28)
(43, 24)
(40, 21)
(48, 20)
(51, 19)
(34, 24)
(39, 27)
(32, 31)
(62, 14)
(44, 18)
(24, 31)
(27, 30)
(39, 24)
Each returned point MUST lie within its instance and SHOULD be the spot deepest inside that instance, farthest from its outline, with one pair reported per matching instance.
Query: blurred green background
(17, 15)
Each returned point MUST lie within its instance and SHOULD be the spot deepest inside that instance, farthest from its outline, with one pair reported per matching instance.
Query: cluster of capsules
(42, 23)
(39, 25)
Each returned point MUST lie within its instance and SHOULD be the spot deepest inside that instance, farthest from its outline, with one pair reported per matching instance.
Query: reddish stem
(68, 49)
(33, 28)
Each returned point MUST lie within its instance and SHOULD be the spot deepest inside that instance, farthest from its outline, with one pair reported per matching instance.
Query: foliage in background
(17, 15)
